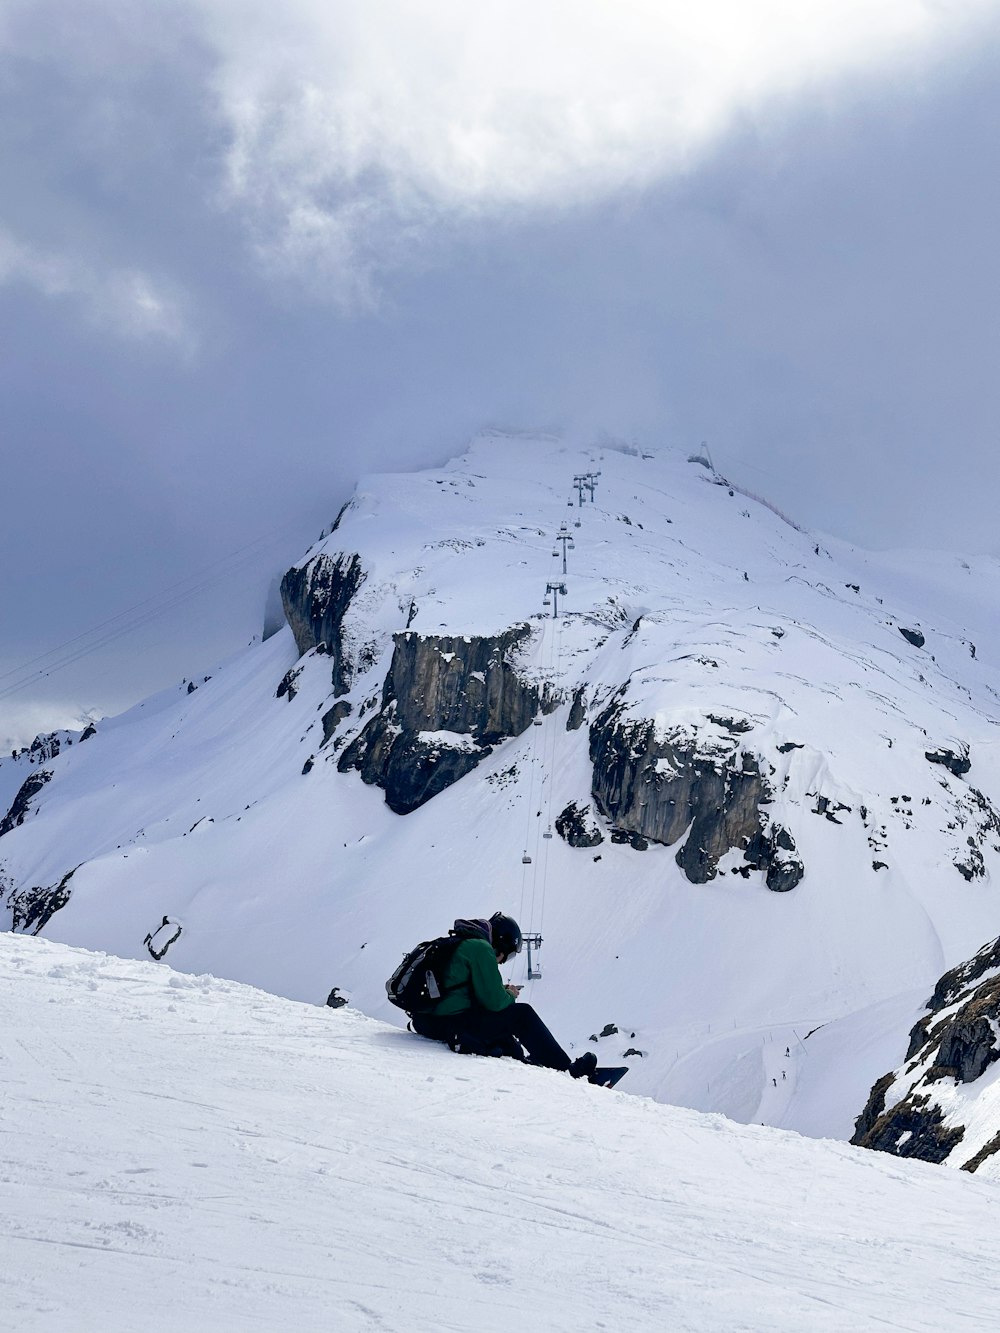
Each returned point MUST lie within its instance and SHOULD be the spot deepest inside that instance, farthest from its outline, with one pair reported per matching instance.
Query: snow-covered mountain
(768, 764)
(189, 1154)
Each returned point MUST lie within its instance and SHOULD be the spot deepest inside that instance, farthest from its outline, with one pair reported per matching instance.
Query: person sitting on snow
(479, 1015)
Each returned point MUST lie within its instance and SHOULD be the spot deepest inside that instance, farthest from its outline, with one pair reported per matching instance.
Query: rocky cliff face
(913, 1112)
(446, 702)
(30, 788)
(315, 597)
(656, 788)
(31, 909)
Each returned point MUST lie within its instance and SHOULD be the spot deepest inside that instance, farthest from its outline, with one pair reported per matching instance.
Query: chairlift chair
(526, 859)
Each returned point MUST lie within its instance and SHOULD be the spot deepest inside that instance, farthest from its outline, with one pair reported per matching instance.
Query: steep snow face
(838, 708)
(187, 1153)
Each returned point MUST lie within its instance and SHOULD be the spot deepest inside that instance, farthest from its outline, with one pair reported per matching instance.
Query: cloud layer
(356, 129)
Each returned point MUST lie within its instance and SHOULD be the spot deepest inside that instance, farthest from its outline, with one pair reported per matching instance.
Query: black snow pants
(516, 1031)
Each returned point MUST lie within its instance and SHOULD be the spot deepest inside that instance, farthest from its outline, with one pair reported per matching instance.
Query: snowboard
(608, 1077)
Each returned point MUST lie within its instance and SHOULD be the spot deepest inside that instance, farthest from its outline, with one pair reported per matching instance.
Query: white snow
(195, 807)
(181, 1153)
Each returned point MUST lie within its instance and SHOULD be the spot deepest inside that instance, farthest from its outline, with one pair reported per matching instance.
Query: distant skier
(479, 1015)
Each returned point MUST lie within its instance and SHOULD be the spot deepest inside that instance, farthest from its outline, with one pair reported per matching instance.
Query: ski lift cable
(129, 610)
(537, 762)
(551, 769)
(110, 635)
(73, 655)
(113, 631)
(552, 674)
(526, 860)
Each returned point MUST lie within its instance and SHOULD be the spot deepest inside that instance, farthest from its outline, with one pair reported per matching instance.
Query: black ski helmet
(505, 935)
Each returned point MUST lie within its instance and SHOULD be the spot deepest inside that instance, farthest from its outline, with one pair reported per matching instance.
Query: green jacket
(472, 980)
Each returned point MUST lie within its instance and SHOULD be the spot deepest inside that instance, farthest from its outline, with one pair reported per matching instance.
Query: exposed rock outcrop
(958, 764)
(446, 702)
(661, 787)
(29, 788)
(913, 636)
(333, 717)
(315, 597)
(577, 711)
(578, 827)
(955, 1042)
(32, 909)
(913, 1128)
(47, 745)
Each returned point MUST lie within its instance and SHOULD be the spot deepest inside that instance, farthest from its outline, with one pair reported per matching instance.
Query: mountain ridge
(696, 621)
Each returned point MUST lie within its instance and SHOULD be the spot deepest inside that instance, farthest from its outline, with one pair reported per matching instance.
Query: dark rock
(274, 616)
(985, 1152)
(913, 636)
(335, 1000)
(913, 1128)
(969, 1044)
(577, 712)
(29, 788)
(974, 866)
(436, 684)
(958, 764)
(575, 828)
(632, 1051)
(958, 979)
(874, 1107)
(32, 909)
(88, 731)
(286, 688)
(662, 788)
(634, 840)
(333, 717)
(788, 747)
(191, 687)
(158, 941)
(307, 767)
(315, 597)
(45, 747)
(955, 1040)
(735, 726)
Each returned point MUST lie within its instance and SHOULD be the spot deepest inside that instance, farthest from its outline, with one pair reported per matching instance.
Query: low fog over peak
(248, 254)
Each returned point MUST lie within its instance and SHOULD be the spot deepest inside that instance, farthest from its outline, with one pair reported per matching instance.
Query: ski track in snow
(180, 1153)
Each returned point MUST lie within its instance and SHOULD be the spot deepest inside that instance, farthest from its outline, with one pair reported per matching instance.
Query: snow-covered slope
(704, 645)
(182, 1153)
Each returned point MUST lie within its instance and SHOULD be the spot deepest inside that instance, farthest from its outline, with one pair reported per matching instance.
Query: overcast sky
(249, 251)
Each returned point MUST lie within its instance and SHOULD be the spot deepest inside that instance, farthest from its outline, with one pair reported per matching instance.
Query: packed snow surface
(182, 1153)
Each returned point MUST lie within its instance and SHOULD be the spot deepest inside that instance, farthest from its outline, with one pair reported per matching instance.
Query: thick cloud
(249, 251)
(356, 129)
